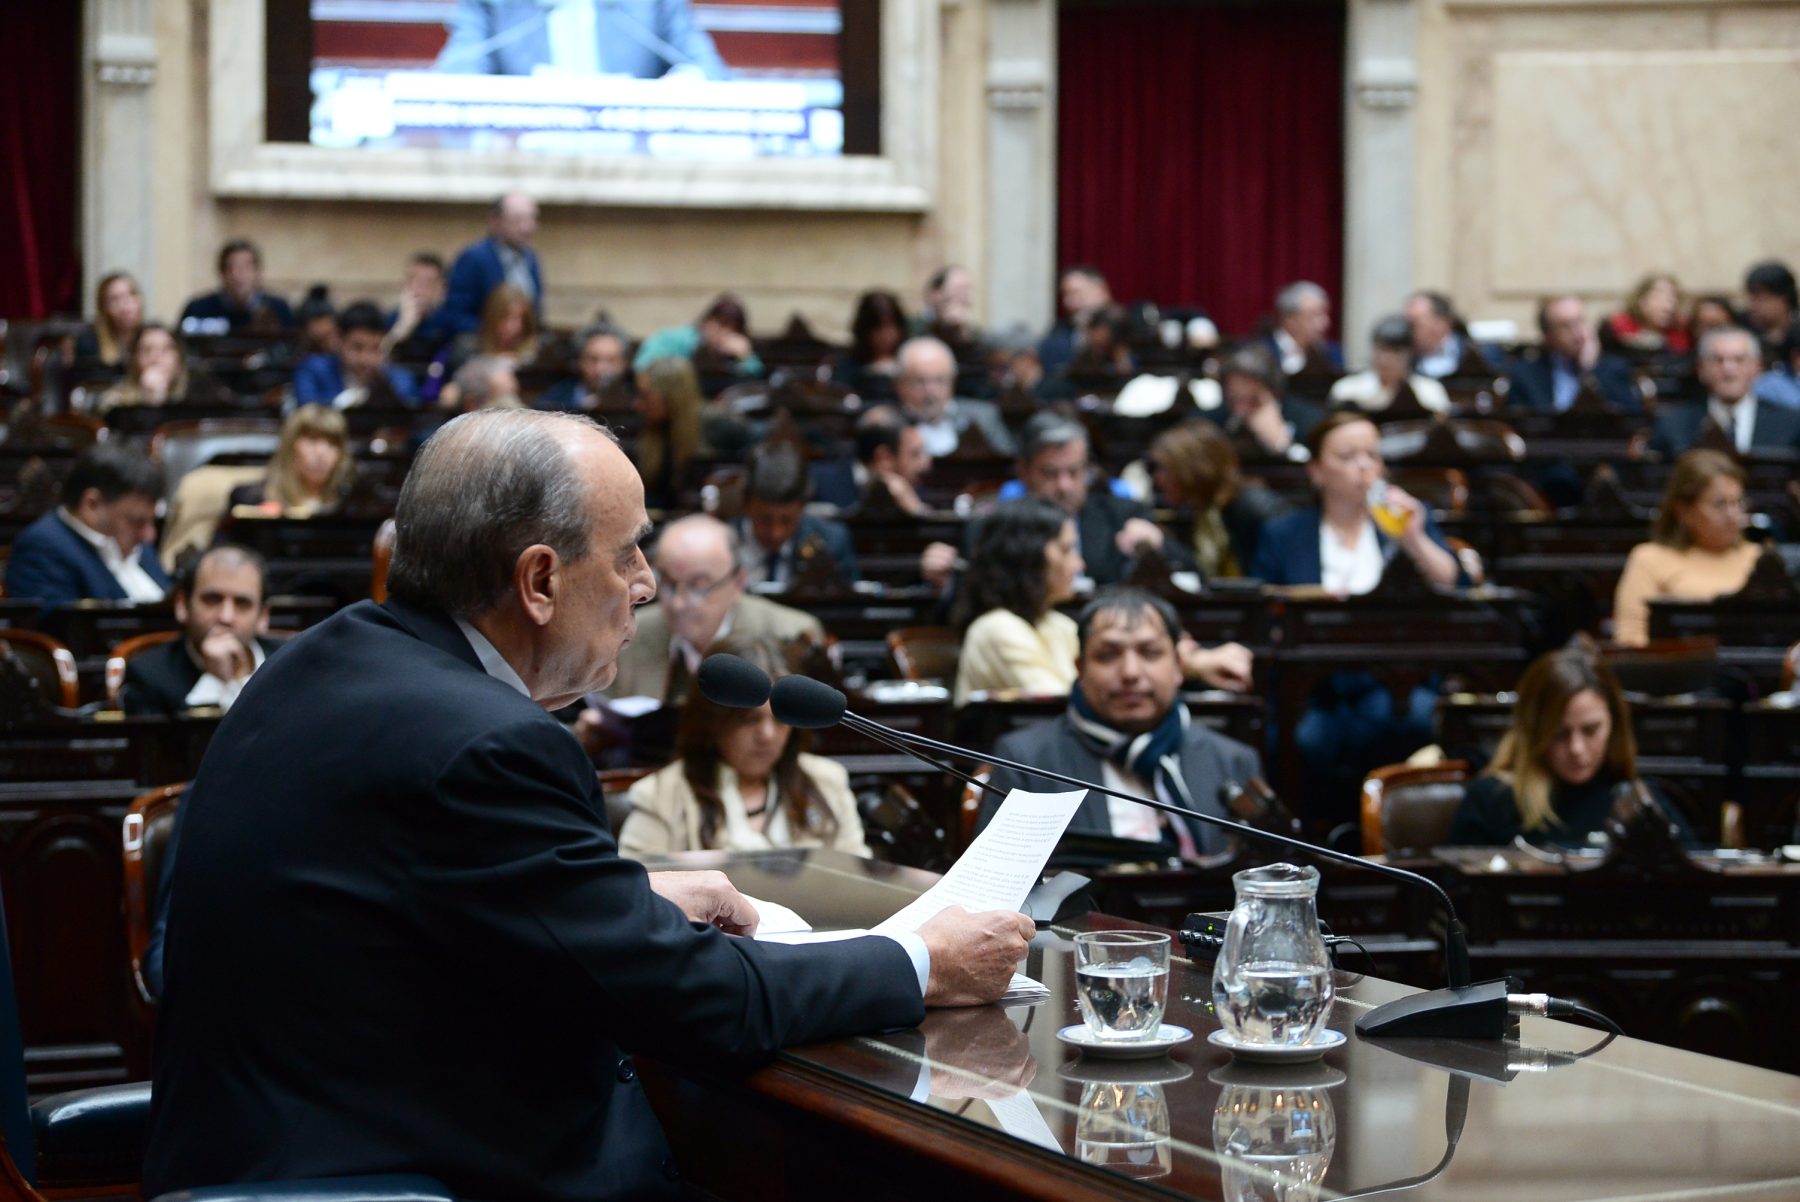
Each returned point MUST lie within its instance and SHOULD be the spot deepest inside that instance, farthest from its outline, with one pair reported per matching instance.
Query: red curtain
(40, 135)
(1201, 151)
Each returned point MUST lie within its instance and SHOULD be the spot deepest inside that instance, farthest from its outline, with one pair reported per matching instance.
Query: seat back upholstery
(925, 652)
(50, 664)
(121, 655)
(1408, 809)
(149, 822)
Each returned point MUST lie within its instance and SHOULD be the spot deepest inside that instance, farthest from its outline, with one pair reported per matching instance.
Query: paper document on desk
(776, 919)
(1020, 1118)
(1002, 865)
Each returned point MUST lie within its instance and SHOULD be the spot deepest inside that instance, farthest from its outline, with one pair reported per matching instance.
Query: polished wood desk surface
(1633, 1121)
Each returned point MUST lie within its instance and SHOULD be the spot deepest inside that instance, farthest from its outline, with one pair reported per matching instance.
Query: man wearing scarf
(1126, 729)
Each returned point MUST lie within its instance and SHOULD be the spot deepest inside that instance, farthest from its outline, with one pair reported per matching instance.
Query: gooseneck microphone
(1463, 1010)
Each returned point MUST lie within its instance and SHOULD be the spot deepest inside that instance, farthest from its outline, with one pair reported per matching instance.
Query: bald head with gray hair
(485, 487)
(1297, 295)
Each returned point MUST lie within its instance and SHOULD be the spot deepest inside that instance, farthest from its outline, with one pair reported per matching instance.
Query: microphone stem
(1457, 951)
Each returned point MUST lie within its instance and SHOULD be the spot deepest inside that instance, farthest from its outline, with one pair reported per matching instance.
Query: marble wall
(1581, 143)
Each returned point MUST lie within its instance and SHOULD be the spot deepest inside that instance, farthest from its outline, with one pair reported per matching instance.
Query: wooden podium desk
(837, 1120)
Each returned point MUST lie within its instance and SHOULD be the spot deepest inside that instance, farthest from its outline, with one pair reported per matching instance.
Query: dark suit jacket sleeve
(1531, 387)
(155, 682)
(471, 278)
(1278, 548)
(840, 546)
(37, 568)
(548, 882)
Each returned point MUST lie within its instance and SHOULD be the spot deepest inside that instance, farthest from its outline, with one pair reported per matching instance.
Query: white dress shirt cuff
(916, 950)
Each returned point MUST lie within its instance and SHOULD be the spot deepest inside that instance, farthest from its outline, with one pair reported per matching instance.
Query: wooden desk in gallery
(837, 1120)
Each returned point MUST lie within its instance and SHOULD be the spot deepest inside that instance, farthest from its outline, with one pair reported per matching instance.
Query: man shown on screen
(646, 39)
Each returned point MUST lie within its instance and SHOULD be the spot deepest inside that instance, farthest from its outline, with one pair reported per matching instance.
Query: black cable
(1563, 1008)
(1334, 941)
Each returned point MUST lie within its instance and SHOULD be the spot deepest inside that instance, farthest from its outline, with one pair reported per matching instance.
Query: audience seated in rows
(700, 599)
(1569, 746)
(1256, 408)
(1299, 340)
(776, 536)
(602, 374)
(509, 330)
(358, 373)
(742, 781)
(1441, 343)
(1126, 728)
(1569, 360)
(1697, 549)
(312, 471)
(222, 606)
(877, 329)
(240, 306)
(926, 384)
(1730, 359)
(505, 256)
(1390, 371)
(718, 342)
(100, 543)
(1650, 325)
(674, 430)
(1025, 561)
(102, 349)
(1352, 724)
(1102, 362)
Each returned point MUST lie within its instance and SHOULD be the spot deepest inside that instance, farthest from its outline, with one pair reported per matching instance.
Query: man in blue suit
(645, 39)
(1570, 359)
(503, 257)
(100, 542)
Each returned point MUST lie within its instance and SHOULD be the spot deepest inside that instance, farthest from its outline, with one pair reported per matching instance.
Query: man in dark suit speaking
(400, 936)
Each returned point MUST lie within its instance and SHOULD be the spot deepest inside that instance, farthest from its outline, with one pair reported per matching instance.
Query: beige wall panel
(1602, 173)
(648, 268)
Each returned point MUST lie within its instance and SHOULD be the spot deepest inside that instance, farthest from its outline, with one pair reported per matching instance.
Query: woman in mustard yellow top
(1697, 550)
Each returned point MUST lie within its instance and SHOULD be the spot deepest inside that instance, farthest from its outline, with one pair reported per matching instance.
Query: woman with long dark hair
(1025, 561)
(742, 781)
(876, 332)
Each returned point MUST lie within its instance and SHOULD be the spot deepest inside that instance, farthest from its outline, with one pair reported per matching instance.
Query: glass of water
(1122, 983)
(1272, 980)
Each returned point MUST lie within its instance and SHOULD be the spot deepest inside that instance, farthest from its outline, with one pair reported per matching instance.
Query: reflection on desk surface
(1634, 1121)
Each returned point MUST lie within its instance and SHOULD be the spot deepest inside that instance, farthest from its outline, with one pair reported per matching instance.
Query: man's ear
(537, 582)
(262, 620)
(181, 608)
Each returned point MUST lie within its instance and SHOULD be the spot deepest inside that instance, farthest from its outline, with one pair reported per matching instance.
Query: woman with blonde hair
(1195, 470)
(312, 469)
(509, 325)
(671, 407)
(118, 315)
(1569, 747)
(742, 780)
(1697, 549)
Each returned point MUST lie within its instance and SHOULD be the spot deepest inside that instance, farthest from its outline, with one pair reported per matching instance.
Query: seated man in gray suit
(700, 599)
(926, 383)
(646, 39)
(1126, 728)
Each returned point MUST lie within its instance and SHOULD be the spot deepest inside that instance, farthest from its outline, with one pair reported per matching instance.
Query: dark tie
(773, 567)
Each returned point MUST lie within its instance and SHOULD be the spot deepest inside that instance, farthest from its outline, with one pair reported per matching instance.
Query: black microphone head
(806, 704)
(733, 682)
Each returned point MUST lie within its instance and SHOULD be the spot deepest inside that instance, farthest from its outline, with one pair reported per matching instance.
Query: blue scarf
(1154, 756)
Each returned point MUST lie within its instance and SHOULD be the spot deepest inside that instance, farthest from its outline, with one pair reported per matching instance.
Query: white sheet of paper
(776, 919)
(1020, 1118)
(808, 936)
(625, 707)
(1002, 865)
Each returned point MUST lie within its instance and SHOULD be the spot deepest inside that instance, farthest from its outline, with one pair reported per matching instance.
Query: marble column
(1021, 168)
(1381, 137)
(118, 141)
